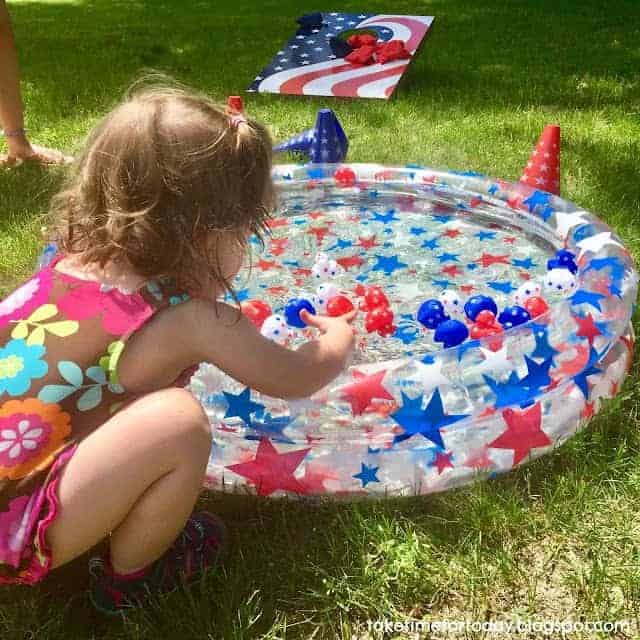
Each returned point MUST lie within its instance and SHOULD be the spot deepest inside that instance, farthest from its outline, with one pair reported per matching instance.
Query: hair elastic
(236, 119)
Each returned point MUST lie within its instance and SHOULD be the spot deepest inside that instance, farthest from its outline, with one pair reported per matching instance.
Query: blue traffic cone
(326, 142)
(300, 143)
(330, 143)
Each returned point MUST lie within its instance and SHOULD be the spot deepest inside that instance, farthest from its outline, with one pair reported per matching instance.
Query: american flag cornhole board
(308, 65)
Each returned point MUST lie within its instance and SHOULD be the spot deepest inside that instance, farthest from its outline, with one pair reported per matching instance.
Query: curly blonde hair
(161, 176)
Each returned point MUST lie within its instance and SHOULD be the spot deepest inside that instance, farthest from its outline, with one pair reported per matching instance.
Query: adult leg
(137, 477)
(11, 108)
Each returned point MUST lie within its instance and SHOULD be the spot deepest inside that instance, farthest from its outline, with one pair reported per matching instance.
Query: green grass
(558, 539)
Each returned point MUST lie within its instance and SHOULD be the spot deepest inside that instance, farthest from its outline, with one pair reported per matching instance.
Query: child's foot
(199, 546)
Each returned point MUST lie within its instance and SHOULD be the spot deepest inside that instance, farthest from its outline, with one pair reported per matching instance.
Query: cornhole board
(307, 64)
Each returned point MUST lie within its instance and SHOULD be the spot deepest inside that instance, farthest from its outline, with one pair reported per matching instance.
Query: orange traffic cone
(543, 169)
(235, 106)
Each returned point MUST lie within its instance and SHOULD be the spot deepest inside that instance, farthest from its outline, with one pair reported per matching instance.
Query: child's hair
(159, 176)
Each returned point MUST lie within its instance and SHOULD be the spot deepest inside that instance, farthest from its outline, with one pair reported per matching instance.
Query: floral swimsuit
(60, 340)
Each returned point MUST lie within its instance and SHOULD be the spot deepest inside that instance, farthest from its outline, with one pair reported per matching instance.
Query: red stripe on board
(350, 87)
(296, 84)
(417, 28)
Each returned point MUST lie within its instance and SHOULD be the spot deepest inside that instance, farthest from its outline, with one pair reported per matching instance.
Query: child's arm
(237, 347)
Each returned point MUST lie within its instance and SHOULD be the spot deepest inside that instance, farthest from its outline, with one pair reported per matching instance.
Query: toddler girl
(96, 438)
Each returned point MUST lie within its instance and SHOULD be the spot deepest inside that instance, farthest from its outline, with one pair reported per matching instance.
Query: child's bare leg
(138, 476)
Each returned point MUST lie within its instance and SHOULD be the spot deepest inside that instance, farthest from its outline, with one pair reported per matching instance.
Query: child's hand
(325, 323)
(337, 334)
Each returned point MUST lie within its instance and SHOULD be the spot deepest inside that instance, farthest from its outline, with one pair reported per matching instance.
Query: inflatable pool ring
(531, 296)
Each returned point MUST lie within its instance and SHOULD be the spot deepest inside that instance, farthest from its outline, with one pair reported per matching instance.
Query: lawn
(558, 539)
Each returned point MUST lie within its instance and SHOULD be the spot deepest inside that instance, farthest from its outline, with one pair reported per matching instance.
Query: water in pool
(414, 249)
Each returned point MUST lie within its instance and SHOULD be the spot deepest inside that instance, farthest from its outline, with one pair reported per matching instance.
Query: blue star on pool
(614, 290)
(505, 287)
(442, 219)
(341, 244)
(388, 264)
(417, 231)
(493, 189)
(537, 374)
(587, 297)
(485, 235)
(472, 266)
(407, 333)
(430, 244)
(543, 349)
(367, 474)
(448, 257)
(510, 392)
(441, 283)
(590, 369)
(242, 294)
(386, 217)
(425, 422)
(527, 263)
(270, 427)
(537, 198)
(547, 212)
(241, 405)
(315, 174)
(617, 268)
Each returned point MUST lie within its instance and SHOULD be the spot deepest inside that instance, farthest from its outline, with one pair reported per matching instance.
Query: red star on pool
(350, 261)
(452, 270)
(359, 394)
(474, 202)
(278, 222)
(510, 239)
(467, 288)
(302, 271)
(278, 245)
(524, 432)
(588, 411)
(368, 243)
(316, 214)
(314, 477)
(270, 470)
(276, 291)
(479, 460)
(266, 265)
(587, 328)
(486, 259)
(514, 203)
(452, 233)
(319, 233)
(443, 461)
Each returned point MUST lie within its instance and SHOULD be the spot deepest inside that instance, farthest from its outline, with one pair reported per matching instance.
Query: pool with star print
(409, 416)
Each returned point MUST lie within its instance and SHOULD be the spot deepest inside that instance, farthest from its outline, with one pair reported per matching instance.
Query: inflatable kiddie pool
(417, 412)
